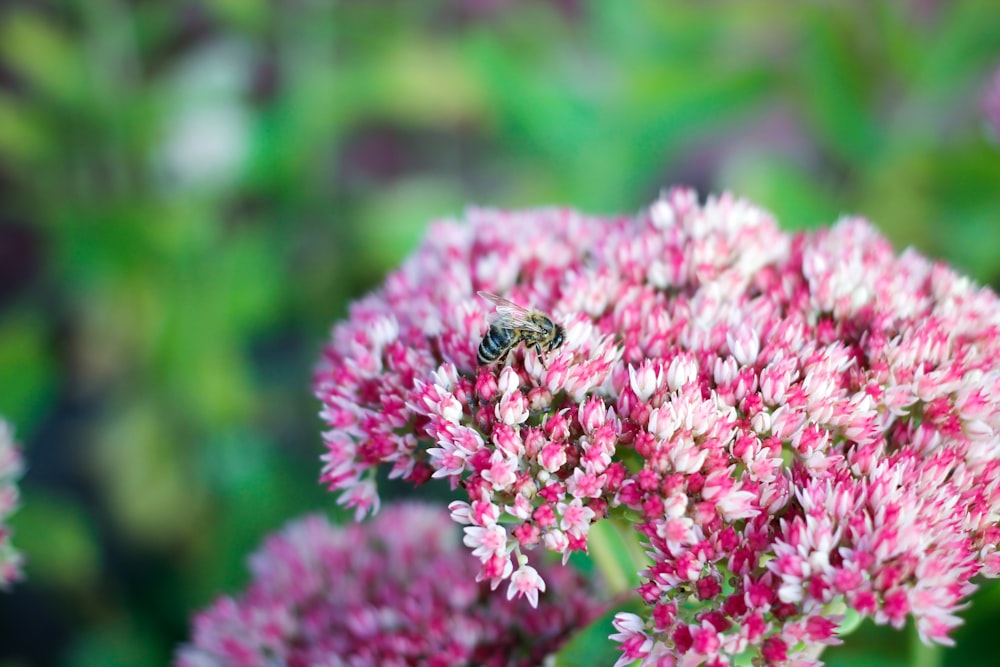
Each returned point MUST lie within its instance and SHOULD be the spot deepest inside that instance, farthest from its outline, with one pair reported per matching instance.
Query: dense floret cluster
(11, 469)
(399, 590)
(795, 424)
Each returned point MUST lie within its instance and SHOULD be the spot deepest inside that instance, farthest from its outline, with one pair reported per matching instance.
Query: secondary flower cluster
(396, 591)
(11, 468)
(796, 424)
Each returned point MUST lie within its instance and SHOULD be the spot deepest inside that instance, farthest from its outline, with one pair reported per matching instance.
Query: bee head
(557, 337)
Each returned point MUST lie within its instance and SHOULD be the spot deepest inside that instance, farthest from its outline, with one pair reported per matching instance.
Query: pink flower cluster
(11, 468)
(796, 424)
(393, 592)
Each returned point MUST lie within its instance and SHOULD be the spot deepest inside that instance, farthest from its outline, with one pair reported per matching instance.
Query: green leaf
(147, 486)
(965, 39)
(392, 224)
(591, 645)
(408, 80)
(23, 136)
(795, 197)
(42, 55)
(837, 80)
(869, 645)
(126, 640)
(28, 371)
(57, 538)
(615, 548)
(251, 15)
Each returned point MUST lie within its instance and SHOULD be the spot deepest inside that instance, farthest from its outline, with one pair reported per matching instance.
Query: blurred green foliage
(190, 193)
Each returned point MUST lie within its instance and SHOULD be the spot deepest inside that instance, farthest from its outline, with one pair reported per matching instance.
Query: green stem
(922, 655)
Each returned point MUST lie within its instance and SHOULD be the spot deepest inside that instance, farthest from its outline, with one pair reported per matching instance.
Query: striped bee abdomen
(497, 342)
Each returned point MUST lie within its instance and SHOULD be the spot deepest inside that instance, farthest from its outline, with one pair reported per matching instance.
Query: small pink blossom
(810, 418)
(576, 518)
(396, 591)
(631, 636)
(486, 541)
(526, 582)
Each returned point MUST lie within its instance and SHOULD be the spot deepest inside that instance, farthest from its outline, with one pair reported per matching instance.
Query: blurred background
(190, 194)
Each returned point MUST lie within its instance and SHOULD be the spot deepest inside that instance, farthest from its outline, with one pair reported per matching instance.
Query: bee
(511, 325)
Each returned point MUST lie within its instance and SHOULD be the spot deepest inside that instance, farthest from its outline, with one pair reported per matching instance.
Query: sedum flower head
(396, 591)
(11, 469)
(796, 424)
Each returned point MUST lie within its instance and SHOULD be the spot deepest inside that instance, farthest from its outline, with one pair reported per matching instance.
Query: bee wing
(509, 314)
(504, 305)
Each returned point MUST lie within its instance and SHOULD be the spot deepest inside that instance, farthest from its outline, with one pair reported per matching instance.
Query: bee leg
(538, 351)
